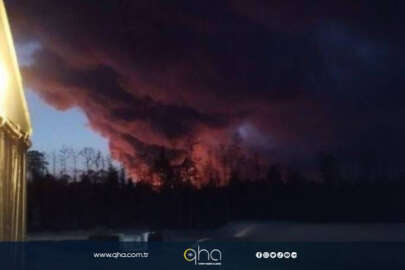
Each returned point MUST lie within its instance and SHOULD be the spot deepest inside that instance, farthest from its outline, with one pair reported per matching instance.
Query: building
(15, 131)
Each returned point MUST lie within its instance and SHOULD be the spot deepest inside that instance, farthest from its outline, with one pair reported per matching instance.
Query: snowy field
(257, 232)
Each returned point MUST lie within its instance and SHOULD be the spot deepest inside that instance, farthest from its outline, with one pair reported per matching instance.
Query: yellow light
(3, 88)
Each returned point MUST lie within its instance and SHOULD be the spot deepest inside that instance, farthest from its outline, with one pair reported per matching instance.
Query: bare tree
(74, 155)
(98, 160)
(64, 154)
(52, 161)
(108, 160)
(103, 162)
(88, 155)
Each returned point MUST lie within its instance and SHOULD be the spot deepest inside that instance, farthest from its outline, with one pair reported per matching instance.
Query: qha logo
(203, 256)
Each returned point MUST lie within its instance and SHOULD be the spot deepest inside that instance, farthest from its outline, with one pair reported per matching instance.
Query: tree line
(97, 193)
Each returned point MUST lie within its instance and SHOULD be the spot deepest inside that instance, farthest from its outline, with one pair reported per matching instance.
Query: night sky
(290, 78)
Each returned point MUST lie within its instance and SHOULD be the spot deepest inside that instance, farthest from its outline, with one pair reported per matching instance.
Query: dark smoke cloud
(291, 77)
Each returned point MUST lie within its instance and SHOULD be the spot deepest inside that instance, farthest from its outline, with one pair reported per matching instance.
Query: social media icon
(259, 254)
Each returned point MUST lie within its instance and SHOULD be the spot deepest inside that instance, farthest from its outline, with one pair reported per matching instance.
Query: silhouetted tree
(64, 155)
(88, 155)
(102, 198)
(37, 164)
(329, 168)
(274, 176)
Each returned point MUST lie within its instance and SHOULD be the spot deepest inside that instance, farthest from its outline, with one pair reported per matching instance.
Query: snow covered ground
(258, 231)
(289, 231)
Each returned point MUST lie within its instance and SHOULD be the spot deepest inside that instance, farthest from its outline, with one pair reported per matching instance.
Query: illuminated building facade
(15, 131)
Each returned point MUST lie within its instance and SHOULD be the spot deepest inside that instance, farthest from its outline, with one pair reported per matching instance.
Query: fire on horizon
(277, 82)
